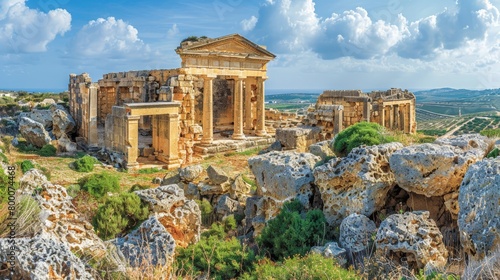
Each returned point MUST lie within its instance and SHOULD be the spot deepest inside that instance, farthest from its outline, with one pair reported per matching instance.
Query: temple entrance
(223, 91)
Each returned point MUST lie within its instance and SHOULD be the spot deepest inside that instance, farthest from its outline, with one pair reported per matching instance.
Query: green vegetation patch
(149, 170)
(119, 214)
(491, 132)
(26, 165)
(363, 133)
(291, 233)
(98, 185)
(433, 132)
(85, 164)
(47, 151)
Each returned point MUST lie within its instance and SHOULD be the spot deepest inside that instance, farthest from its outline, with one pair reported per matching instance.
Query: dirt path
(450, 133)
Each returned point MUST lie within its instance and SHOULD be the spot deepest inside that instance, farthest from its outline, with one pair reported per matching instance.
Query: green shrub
(494, 153)
(149, 170)
(4, 158)
(292, 234)
(47, 151)
(137, 187)
(205, 207)
(491, 132)
(99, 184)
(229, 223)
(363, 133)
(312, 266)
(4, 183)
(73, 190)
(26, 165)
(85, 164)
(119, 214)
(215, 256)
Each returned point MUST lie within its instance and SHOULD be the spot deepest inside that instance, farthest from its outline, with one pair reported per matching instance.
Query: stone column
(208, 112)
(402, 118)
(391, 117)
(261, 109)
(411, 124)
(381, 113)
(396, 117)
(132, 140)
(170, 137)
(366, 110)
(93, 139)
(338, 119)
(248, 106)
(238, 110)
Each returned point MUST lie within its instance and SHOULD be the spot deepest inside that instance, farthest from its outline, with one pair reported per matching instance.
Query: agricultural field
(291, 101)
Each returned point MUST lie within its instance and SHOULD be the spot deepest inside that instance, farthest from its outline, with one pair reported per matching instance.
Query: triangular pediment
(227, 45)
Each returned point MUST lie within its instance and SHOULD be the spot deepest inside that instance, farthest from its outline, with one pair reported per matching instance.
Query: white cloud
(249, 24)
(27, 30)
(172, 32)
(292, 26)
(110, 38)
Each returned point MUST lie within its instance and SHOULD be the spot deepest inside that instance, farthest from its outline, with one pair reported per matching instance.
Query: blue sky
(320, 44)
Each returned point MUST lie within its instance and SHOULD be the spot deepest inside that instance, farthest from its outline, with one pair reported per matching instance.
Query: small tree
(119, 214)
(85, 164)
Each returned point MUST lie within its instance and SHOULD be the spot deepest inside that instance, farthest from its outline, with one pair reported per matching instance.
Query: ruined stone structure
(219, 87)
(336, 110)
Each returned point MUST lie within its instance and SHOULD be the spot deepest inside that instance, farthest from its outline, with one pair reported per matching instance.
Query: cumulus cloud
(249, 24)
(288, 26)
(24, 30)
(173, 31)
(109, 38)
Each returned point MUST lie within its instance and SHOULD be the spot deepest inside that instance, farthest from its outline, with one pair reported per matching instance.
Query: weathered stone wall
(83, 106)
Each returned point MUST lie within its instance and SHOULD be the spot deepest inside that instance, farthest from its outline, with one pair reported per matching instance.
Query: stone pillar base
(239, 137)
(170, 163)
(207, 141)
(261, 133)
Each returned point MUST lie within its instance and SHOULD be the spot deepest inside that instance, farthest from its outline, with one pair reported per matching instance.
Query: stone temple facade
(219, 87)
(339, 109)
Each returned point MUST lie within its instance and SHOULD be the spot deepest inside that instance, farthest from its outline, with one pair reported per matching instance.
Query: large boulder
(466, 142)
(216, 175)
(180, 216)
(284, 175)
(62, 122)
(150, 244)
(239, 188)
(322, 150)
(356, 232)
(299, 138)
(357, 183)
(34, 132)
(432, 169)
(59, 218)
(479, 204)
(42, 116)
(412, 238)
(40, 258)
(190, 173)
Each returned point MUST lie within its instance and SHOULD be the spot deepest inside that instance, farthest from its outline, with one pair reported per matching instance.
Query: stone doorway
(223, 99)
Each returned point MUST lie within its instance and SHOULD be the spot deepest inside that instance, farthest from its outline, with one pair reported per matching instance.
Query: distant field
(291, 101)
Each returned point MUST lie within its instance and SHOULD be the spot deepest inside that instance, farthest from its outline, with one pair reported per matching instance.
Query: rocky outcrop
(466, 142)
(322, 150)
(62, 122)
(432, 169)
(412, 238)
(239, 189)
(333, 251)
(64, 145)
(34, 132)
(40, 258)
(149, 245)
(479, 214)
(59, 218)
(356, 232)
(190, 173)
(180, 216)
(226, 206)
(281, 176)
(42, 116)
(357, 183)
(216, 175)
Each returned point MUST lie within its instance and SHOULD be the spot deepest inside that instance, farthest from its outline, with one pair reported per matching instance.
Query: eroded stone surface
(216, 175)
(321, 149)
(356, 232)
(432, 169)
(466, 142)
(59, 218)
(62, 122)
(41, 258)
(182, 217)
(479, 214)
(190, 173)
(150, 244)
(413, 238)
(297, 137)
(333, 251)
(357, 183)
(34, 132)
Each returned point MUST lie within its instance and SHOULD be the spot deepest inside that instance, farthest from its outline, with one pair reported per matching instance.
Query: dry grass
(27, 223)
(487, 269)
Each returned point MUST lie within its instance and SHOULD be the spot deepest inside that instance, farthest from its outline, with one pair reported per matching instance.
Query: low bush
(494, 153)
(311, 266)
(137, 187)
(47, 151)
(26, 165)
(363, 133)
(214, 256)
(119, 214)
(99, 184)
(150, 170)
(291, 233)
(85, 164)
